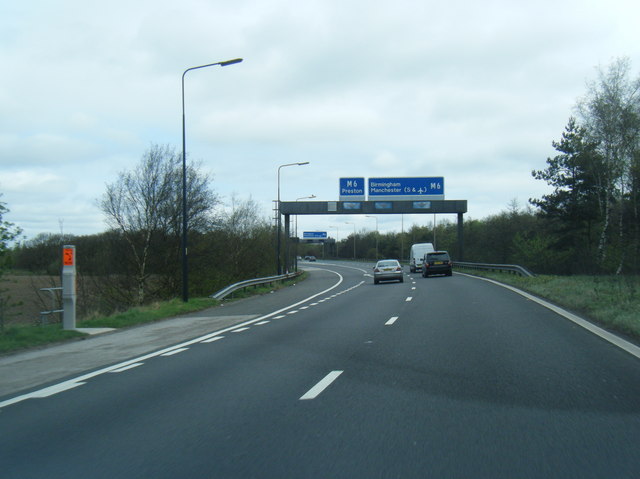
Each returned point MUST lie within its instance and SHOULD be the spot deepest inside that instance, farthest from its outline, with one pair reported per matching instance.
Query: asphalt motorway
(440, 377)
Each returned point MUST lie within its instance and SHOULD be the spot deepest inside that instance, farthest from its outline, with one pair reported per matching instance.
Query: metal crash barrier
(253, 282)
(504, 268)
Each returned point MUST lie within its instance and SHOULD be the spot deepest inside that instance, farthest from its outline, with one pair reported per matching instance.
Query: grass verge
(149, 313)
(611, 301)
(14, 338)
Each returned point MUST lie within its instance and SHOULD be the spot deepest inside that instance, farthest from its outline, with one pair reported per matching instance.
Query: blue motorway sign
(314, 235)
(431, 188)
(352, 189)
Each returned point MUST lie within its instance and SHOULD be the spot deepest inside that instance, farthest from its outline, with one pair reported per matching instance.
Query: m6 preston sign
(352, 189)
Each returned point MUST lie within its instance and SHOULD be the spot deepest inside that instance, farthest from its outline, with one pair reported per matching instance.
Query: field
(25, 300)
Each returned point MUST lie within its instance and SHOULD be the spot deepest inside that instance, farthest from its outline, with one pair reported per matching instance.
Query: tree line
(516, 235)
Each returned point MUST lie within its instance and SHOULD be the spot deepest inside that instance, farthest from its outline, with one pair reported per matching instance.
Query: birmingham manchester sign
(424, 188)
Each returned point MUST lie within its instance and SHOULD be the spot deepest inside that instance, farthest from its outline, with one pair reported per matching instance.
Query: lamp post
(279, 222)
(185, 268)
(354, 238)
(375, 218)
(337, 233)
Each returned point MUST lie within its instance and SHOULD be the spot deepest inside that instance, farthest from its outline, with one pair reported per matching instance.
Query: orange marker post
(69, 256)
(69, 287)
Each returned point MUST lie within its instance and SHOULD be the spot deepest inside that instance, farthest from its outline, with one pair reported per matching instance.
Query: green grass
(14, 338)
(611, 301)
(149, 313)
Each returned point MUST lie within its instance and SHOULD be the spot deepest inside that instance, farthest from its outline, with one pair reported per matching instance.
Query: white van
(416, 255)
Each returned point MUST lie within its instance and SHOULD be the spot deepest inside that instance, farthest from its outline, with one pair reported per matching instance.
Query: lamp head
(230, 62)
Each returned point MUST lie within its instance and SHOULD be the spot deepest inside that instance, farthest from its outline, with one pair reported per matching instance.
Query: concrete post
(287, 233)
(69, 287)
(460, 237)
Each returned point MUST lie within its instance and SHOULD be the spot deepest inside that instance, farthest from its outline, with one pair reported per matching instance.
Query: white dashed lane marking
(239, 330)
(316, 390)
(175, 351)
(215, 338)
(126, 368)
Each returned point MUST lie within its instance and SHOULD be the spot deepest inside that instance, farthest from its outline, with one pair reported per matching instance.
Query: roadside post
(69, 287)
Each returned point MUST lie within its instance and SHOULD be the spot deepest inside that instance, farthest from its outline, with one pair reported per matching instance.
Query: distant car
(436, 262)
(387, 270)
(311, 258)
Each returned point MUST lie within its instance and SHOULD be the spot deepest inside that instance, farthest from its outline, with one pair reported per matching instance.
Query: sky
(474, 92)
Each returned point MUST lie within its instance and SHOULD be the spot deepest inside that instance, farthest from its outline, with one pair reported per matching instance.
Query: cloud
(472, 91)
(29, 181)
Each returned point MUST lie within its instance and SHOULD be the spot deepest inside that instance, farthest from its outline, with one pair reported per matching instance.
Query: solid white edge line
(45, 392)
(324, 383)
(82, 379)
(58, 388)
(606, 335)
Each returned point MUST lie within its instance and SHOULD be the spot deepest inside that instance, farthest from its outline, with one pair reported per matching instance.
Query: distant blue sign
(352, 189)
(314, 235)
(430, 188)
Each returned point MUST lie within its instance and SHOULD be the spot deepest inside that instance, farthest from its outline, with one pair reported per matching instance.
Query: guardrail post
(69, 287)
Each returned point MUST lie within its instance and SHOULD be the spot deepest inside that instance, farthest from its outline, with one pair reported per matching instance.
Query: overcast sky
(471, 91)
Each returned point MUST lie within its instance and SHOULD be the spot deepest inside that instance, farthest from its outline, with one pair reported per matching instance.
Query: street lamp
(375, 218)
(185, 268)
(354, 238)
(279, 222)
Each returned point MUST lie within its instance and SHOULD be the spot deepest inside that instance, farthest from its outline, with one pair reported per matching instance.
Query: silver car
(387, 270)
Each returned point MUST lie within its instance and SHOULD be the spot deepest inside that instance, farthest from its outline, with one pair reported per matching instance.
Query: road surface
(340, 378)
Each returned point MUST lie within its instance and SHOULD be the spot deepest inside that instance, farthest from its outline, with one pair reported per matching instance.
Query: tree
(247, 237)
(8, 233)
(144, 205)
(611, 115)
(573, 207)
